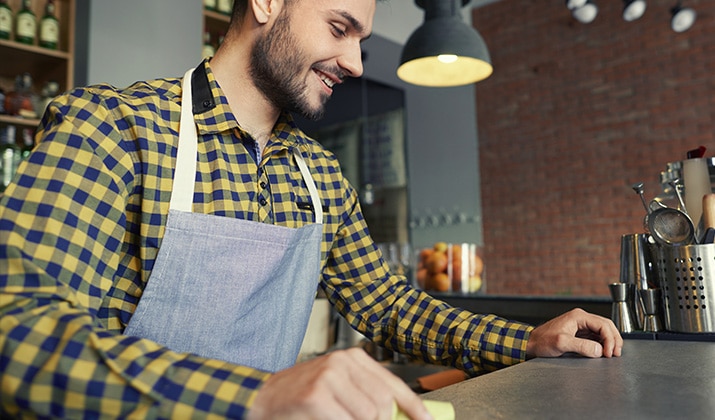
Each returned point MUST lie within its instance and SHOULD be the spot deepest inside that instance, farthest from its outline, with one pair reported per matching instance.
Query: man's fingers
(608, 335)
(393, 389)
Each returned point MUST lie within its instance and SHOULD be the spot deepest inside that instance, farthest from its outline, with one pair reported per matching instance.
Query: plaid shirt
(81, 225)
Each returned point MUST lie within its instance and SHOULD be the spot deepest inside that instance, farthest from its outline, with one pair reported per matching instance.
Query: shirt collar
(212, 113)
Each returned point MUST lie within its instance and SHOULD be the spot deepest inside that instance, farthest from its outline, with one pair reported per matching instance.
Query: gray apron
(227, 288)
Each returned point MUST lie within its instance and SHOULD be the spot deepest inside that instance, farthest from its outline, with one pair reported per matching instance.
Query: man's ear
(263, 9)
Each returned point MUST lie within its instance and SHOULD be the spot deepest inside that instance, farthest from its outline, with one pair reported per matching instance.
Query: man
(161, 246)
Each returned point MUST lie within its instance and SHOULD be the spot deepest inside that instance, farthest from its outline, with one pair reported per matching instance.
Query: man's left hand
(575, 331)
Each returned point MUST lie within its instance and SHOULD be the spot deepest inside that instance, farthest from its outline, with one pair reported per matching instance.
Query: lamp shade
(586, 13)
(683, 18)
(444, 51)
(633, 9)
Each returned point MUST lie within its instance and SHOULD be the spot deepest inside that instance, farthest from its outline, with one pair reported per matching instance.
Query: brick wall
(573, 115)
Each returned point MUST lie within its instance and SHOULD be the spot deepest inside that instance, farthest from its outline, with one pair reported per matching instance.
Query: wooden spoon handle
(709, 211)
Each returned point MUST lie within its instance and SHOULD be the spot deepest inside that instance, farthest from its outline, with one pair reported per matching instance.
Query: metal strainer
(671, 226)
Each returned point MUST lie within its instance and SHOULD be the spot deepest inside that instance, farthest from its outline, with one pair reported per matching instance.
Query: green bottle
(9, 156)
(49, 27)
(26, 24)
(210, 5)
(5, 20)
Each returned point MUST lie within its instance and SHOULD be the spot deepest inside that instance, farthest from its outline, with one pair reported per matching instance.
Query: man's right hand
(345, 384)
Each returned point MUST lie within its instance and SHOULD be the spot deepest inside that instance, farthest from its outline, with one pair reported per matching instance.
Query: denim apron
(226, 288)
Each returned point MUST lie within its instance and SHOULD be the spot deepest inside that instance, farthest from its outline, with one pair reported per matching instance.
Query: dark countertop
(652, 380)
(530, 309)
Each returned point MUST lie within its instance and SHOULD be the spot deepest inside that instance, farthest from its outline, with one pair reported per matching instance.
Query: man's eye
(338, 31)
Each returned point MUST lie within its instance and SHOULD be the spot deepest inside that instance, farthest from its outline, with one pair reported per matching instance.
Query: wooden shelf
(216, 16)
(216, 24)
(43, 64)
(19, 121)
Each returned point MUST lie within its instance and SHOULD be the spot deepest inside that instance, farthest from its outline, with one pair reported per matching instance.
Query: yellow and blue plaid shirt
(81, 225)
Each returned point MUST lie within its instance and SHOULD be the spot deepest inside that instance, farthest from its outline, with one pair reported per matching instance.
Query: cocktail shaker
(638, 268)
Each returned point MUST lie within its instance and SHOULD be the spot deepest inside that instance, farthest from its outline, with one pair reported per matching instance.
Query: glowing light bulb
(447, 58)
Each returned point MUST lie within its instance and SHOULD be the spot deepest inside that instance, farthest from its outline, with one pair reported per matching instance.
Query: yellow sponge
(440, 410)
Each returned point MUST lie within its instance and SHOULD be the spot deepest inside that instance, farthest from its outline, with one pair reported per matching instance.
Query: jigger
(651, 299)
(622, 294)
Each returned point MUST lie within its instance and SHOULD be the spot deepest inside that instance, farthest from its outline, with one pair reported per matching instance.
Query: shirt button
(263, 184)
(263, 201)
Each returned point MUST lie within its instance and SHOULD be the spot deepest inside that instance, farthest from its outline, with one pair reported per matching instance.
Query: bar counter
(651, 380)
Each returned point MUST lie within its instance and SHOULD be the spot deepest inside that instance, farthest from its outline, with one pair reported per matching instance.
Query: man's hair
(240, 7)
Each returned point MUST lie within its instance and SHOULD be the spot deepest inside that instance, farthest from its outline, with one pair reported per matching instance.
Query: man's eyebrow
(356, 25)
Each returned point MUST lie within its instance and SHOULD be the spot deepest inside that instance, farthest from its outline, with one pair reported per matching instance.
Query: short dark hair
(240, 7)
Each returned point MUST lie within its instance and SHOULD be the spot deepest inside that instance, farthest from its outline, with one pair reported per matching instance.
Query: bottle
(28, 142)
(208, 49)
(5, 20)
(49, 27)
(224, 6)
(22, 101)
(2, 101)
(9, 156)
(210, 5)
(48, 93)
(26, 24)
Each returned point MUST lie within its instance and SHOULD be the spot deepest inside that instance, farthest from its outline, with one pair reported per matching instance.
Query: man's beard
(275, 63)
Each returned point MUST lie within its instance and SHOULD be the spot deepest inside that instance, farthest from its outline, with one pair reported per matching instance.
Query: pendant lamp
(633, 9)
(444, 51)
(683, 18)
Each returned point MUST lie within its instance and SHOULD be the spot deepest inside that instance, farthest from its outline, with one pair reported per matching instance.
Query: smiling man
(161, 248)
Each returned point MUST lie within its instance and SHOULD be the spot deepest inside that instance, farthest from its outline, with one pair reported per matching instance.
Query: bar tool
(651, 300)
(671, 226)
(622, 294)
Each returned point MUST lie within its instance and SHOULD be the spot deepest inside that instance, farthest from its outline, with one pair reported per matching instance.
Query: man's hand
(575, 331)
(345, 384)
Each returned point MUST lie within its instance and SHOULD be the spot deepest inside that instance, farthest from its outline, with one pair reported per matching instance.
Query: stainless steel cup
(622, 294)
(652, 301)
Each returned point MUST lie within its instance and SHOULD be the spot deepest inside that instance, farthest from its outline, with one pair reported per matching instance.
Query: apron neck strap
(182, 192)
(314, 196)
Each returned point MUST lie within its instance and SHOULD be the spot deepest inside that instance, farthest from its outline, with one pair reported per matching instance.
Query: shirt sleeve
(62, 230)
(388, 311)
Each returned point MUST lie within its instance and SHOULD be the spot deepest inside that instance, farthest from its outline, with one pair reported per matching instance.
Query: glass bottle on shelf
(22, 101)
(208, 49)
(9, 155)
(5, 20)
(49, 27)
(49, 91)
(210, 5)
(224, 6)
(26, 24)
(28, 142)
(2, 101)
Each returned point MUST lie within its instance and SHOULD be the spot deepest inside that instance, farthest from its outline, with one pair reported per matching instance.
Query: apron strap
(182, 193)
(308, 178)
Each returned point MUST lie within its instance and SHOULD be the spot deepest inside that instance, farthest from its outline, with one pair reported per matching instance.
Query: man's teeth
(328, 82)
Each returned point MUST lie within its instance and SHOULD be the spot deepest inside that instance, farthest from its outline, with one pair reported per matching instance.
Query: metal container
(687, 278)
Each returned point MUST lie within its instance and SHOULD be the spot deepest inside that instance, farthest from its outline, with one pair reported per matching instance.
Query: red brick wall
(573, 115)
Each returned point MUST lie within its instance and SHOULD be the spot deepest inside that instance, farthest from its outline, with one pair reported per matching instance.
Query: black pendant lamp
(444, 51)
(683, 18)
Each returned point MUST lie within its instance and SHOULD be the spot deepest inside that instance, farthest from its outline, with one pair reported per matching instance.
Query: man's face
(311, 46)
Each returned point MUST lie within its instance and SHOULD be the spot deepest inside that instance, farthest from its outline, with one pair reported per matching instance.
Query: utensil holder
(687, 277)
